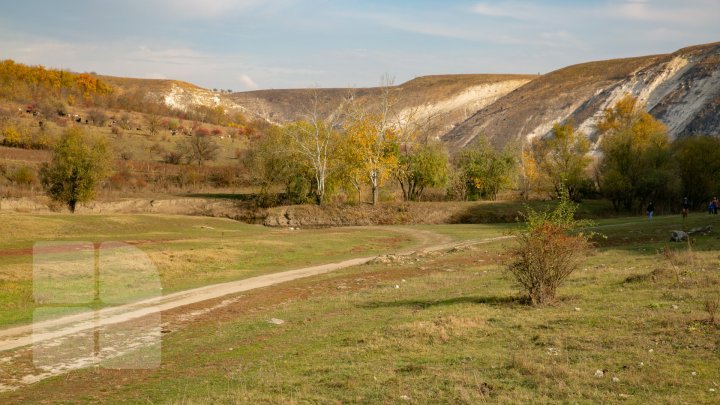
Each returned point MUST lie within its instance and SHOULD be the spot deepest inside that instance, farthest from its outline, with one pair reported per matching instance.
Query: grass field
(187, 251)
(449, 328)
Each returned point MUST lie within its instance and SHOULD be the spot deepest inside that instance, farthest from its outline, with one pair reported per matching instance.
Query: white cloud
(213, 9)
(493, 10)
(178, 56)
(667, 11)
(472, 32)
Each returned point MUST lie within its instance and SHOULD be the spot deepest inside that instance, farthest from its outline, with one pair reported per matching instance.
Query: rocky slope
(450, 98)
(681, 89)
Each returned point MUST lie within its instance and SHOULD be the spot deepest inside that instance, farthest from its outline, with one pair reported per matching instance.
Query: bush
(117, 131)
(98, 117)
(21, 137)
(548, 250)
(23, 176)
(222, 177)
(173, 158)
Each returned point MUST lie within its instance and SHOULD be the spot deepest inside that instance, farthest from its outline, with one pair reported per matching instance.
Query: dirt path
(115, 322)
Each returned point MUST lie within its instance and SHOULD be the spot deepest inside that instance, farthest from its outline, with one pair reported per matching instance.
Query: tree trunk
(375, 193)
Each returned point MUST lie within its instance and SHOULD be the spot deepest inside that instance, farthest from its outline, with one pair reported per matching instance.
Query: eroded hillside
(681, 89)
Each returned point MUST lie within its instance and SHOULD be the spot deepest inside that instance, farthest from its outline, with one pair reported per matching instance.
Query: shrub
(711, 307)
(98, 117)
(548, 250)
(202, 132)
(222, 177)
(117, 131)
(15, 138)
(173, 158)
(23, 176)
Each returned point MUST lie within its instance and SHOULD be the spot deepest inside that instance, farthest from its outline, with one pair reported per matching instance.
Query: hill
(451, 97)
(681, 89)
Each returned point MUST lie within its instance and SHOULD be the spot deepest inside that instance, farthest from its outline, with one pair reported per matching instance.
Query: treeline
(360, 150)
(635, 162)
(19, 82)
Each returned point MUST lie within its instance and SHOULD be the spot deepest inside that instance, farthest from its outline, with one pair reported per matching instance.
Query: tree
(528, 171)
(198, 148)
(563, 159)
(316, 141)
(271, 163)
(636, 164)
(379, 130)
(153, 123)
(698, 163)
(486, 170)
(371, 133)
(420, 166)
(78, 165)
(377, 148)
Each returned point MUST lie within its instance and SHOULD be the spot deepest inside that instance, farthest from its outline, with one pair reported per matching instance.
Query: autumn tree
(350, 171)
(316, 141)
(421, 165)
(78, 165)
(563, 160)
(272, 164)
(636, 164)
(485, 169)
(376, 145)
(376, 130)
(528, 171)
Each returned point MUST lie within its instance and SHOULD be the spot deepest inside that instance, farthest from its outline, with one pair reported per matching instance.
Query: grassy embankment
(449, 328)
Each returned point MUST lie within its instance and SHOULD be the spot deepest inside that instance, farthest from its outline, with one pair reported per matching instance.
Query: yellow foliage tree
(563, 159)
(636, 165)
(376, 147)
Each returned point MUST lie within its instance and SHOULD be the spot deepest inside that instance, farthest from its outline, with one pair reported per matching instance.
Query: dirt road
(49, 337)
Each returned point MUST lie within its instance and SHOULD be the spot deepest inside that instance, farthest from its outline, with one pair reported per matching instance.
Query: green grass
(187, 251)
(454, 332)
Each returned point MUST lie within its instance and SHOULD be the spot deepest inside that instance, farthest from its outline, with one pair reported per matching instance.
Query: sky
(263, 44)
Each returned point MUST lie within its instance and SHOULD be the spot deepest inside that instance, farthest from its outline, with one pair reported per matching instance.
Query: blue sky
(260, 44)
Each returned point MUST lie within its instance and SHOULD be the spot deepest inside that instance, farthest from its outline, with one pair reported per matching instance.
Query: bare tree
(198, 149)
(153, 123)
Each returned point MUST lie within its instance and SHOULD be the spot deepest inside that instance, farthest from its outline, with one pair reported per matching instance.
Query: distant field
(448, 328)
